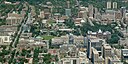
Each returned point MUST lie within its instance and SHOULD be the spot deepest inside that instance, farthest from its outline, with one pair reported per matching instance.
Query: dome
(82, 21)
(38, 37)
(99, 31)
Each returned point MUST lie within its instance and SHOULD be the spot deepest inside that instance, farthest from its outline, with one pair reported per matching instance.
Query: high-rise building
(94, 42)
(90, 9)
(71, 39)
(89, 49)
(106, 50)
(123, 11)
(42, 14)
(29, 15)
(68, 12)
(114, 5)
(85, 41)
(95, 10)
(95, 55)
(96, 14)
(108, 5)
(68, 4)
(85, 15)
(96, 59)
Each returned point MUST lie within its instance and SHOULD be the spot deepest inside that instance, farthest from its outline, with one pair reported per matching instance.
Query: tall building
(108, 5)
(68, 4)
(106, 50)
(97, 15)
(29, 15)
(96, 59)
(114, 5)
(68, 12)
(95, 55)
(71, 39)
(42, 14)
(90, 9)
(85, 15)
(89, 49)
(94, 42)
(95, 10)
(123, 11)
(85, 41)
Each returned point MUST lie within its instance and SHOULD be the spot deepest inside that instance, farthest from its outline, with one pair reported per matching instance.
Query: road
(20, 30)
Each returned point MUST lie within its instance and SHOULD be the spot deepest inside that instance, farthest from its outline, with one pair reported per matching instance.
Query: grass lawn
(47, 37)
(51, 21)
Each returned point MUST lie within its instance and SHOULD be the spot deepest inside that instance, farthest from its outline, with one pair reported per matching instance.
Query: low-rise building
(100, 34)
(14, 19)
(114, 60)
(5, 39)
(32, 43)
(77, 40)
(69, 54)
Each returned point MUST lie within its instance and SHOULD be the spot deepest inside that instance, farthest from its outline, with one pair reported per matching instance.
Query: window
(0, 40)
(6, 39)
(74, 61)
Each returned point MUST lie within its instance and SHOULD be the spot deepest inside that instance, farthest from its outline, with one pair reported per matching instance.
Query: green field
(47, 37)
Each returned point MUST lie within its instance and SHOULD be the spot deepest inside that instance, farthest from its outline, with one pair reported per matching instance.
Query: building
(123, 42)
(80, 14)
(96, 59)
(111, 16)
(68, 50)
(89, 49)
(5, 38)
(69, 54)
(124, 54)
(68, 4)
(94, 42)
(123, 12)
(100, 34)
(68, 12)
(126, 18)
(53, 51)
(83, 58)
(96, 13)
(114, 60)
(70, 61)
(90, 9)
(98, 16)
(11, 30)
(114, 5)
(78, 21)
(14, 19)
(106, 51)
(77, 40)
(32, 43)
(109, 5)
(57, 16)
(26, 35)
(118, 16)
